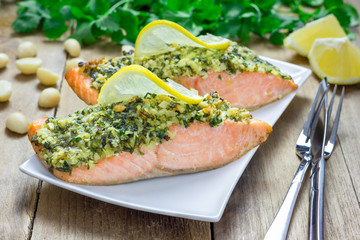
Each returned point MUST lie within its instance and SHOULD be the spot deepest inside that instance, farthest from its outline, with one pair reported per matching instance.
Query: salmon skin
(139, 138)
(196, 148)
(237, 74)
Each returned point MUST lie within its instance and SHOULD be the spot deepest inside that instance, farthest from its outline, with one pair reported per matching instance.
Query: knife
(316, 213)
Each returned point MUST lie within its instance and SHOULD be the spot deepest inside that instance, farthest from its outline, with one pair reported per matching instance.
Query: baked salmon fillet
(144, 138)
(237, 74)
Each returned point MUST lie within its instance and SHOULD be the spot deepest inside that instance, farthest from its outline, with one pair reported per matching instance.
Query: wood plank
(349, 136)
(261, 189)
(65, 215)
(73, 216)
(18, 192)
(264, 183)
(79, 217)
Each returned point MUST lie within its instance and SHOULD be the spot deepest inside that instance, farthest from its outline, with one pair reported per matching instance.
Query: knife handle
(316, 219)
(280, 225)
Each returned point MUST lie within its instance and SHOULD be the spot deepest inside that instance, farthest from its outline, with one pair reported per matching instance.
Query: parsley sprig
(122, 20)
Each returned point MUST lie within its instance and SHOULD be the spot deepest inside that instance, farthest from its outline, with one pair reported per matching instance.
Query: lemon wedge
(135, 80)
(301, 40)
(163, 36)
(336, 58)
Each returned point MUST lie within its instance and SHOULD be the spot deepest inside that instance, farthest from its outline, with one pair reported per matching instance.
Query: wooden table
(31, 209)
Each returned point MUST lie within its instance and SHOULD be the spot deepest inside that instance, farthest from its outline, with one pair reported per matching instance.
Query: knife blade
(316, 213)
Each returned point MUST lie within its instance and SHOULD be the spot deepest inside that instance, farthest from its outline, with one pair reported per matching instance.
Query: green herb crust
(192, 61)
(101, 70)
(96, 132)
(186, 61)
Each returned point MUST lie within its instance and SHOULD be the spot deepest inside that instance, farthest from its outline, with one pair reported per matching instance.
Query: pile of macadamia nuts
(28, 63)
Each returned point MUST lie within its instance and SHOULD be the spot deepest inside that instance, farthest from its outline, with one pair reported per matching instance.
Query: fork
(280, 225)
(316, 216)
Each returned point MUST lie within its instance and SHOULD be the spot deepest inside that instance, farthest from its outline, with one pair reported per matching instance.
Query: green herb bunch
(122, 20)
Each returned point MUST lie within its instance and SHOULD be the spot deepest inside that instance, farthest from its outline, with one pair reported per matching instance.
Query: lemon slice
(135, 80)
(163, 36)
(301, 40)
(336, 58)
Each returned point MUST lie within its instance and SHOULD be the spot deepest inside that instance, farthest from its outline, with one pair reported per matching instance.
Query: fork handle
(280, 225)
(316, 220)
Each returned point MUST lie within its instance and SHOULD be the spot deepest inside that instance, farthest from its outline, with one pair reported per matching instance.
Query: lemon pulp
(135, 80)
(301, 40)
(336, 58)
(163, 36)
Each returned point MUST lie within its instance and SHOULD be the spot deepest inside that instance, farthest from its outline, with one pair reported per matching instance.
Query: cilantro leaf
(268, 24)
(352, 13)
(108, 23)
(233, 12)
(97, 32)
(54, 28)
(342, 15)
(65, 12)
(98, 7)
(121, 20)
(320, 13)
(313, 3)
(265, 5)
(228, 29)
(328, 4)
(244, 31)
(78, 14)
(142, 3)
(184, 19)
(277, 38)
(83, 33)
(33, 7)
(26, 22)
(178, 5)
(117, 36)
(207, 10)
(130, 26)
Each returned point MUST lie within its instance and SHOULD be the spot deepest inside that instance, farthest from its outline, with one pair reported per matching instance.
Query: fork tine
(332, 102)
(316, 220)
(321, 90)
(317, 113)
(334, 129)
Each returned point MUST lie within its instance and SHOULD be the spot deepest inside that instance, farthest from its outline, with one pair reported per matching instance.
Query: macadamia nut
(46, 77)
(73, 63)
(4, 60)
(28, 65)
(26, 50)
(17, 122)
(72, 46)
(5, 90)
(49, 97)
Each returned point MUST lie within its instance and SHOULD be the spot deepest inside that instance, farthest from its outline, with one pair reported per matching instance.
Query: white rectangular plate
(200, 196)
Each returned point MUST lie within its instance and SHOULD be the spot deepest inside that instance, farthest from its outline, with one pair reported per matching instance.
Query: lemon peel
(135, 80)
(163, 36)
(302, 39)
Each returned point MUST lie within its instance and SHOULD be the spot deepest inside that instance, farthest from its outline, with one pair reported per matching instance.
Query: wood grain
(17, 190)
(79, 217)
(349, 136)
(34, 210)
(262, 187)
